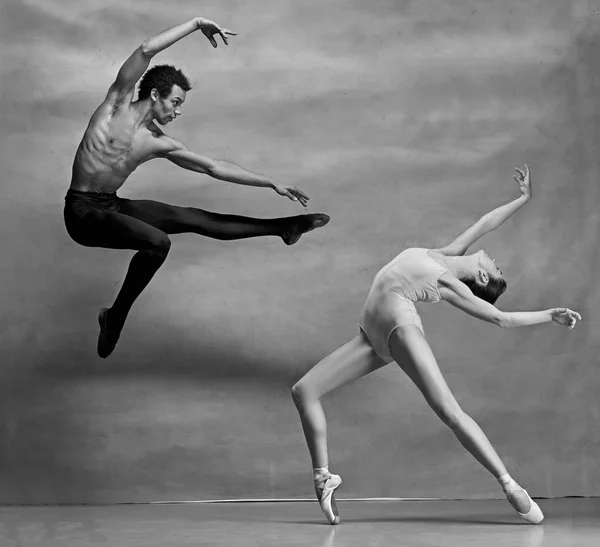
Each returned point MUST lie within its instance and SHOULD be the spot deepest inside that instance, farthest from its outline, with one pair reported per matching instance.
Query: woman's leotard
(411, 277)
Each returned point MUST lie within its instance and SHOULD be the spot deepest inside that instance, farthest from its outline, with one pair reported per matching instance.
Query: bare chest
(126, 145)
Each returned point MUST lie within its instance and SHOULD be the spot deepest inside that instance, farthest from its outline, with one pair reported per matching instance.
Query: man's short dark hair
(163, 78)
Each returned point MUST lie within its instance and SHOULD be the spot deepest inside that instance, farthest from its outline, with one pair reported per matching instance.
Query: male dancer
(122, 134)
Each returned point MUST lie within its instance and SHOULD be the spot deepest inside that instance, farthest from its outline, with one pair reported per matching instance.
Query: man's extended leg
(172, 219)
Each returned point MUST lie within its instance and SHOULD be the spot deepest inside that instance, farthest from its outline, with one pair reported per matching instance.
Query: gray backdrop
(403, 120)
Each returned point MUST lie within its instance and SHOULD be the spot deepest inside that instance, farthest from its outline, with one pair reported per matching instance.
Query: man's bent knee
(160, 245)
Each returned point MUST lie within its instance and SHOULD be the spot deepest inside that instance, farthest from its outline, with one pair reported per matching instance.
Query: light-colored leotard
(411, 277)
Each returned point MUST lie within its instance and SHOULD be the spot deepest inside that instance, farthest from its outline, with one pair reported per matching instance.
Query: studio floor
(489, 523)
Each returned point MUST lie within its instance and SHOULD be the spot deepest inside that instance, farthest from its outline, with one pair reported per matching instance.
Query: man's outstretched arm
(134, 67)
(227, 171)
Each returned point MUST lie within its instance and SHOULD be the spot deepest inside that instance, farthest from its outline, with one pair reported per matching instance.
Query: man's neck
(143, 113)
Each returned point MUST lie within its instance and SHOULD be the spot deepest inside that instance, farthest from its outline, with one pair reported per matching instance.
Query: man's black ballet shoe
(303, 224)
(106, 340)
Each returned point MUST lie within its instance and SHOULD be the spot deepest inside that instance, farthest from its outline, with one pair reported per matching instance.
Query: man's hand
(295, 194)
(210, 28)
(524, 181)
(565, 317)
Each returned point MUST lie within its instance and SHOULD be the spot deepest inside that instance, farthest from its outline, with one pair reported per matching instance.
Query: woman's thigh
(348, 363)
(410, 350)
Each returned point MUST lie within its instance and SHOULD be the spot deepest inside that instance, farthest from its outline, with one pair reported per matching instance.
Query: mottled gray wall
(403, 120)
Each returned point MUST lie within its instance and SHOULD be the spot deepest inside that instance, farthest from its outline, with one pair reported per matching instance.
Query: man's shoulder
(161, 142)
(164, 140)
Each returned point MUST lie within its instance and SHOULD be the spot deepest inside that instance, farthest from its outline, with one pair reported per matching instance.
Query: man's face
(167, 109)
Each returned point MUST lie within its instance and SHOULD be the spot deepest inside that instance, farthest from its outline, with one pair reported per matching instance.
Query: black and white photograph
(300, 273)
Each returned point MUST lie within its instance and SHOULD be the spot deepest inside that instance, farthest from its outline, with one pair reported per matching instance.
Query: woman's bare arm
(492, 220)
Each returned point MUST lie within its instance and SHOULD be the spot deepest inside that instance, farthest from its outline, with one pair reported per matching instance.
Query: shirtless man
(122, 134)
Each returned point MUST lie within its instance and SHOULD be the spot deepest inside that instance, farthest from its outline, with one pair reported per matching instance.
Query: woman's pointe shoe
(325, 493)
(519, 499)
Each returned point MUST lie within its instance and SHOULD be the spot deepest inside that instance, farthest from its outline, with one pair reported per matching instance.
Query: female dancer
(391, 330)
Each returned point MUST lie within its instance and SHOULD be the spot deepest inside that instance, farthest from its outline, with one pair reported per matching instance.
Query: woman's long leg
(346, 364)
(411, 351)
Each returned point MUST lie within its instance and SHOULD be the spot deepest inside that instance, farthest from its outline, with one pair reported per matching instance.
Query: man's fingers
(225, 41)
(519, 171)
(299, 200)
(212, 40)
(230, 32)
(516, 178)
(302, 194)
(294, 194)
(299, 193)
(297, 197)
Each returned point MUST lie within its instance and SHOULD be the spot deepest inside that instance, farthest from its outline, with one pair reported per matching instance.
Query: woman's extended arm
(492, 220)
(459, 295)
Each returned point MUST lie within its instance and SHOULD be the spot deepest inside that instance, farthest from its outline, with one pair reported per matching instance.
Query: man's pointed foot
(303, 224)
(107, 340)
